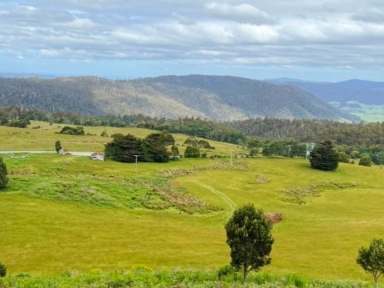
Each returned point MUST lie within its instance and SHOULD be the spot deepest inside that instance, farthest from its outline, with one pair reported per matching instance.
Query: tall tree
(324, 157)
(249, 239)
(154, 147)
(124, 148)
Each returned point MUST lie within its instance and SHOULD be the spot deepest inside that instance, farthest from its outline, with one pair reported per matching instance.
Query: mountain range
(220, 98)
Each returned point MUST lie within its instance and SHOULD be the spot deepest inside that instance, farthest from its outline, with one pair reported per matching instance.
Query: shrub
(58, 147)
(72, 130)
(324, 157)
(3, 174)
(378, 158)
(365, 160)
(343, 157)
(192, 152)
(3, 270)
(104, 134)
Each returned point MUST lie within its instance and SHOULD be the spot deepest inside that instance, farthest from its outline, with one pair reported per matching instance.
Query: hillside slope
(213, 97)
(364, 99)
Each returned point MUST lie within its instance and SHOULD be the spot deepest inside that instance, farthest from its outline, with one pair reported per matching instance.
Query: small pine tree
(250, 240)
(371, 259)
(324, 157)
(3, 174)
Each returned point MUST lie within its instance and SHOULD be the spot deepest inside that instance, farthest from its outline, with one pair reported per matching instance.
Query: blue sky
(326, 40)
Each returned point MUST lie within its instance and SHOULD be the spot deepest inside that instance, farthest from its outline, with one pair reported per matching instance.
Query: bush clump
(3, 270)
(3, 174)
(365, 160)
(192, 152)
(68, 130)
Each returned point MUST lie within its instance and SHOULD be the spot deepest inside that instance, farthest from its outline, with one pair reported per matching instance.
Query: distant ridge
(220, 98)
(362, 98)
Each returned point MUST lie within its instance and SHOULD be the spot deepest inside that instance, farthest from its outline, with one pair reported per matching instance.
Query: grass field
(42, 136)
(73, 214)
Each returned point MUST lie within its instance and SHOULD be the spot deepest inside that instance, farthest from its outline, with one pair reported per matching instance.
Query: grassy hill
(42, 136)
(73, 214)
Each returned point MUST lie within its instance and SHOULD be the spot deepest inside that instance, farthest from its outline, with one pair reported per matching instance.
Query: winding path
(232, 205)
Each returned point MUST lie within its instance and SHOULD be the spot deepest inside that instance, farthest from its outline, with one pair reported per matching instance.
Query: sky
(322, 40)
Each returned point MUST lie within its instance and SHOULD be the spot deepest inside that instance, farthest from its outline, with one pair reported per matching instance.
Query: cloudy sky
(317, 40)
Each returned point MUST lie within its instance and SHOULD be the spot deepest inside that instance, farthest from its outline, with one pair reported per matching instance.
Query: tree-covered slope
(213, 97)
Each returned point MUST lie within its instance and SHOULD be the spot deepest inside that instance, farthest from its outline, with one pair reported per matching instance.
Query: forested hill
(211, 97)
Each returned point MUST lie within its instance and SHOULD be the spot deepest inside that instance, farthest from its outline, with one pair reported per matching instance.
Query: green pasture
(63, 213)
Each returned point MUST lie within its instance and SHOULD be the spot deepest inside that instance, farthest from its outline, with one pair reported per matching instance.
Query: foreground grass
(72, 214)
(146, 278)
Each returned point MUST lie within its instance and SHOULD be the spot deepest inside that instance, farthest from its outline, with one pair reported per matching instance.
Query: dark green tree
(371, 259)
(123, 148)
(192, 152)
(3, 174)
(154, 147)
(249, 239)
(58, 146)
(324, 157)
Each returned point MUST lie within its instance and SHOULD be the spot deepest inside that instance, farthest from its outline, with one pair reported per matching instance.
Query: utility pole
(136, 161)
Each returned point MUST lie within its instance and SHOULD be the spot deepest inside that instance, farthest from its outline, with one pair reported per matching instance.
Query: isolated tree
(58, 147)
(324, 157)
(371, 259)
(3, 270)
(192, 152)
(365, 160)
(123, 148)
(3, 174)
(249, 239)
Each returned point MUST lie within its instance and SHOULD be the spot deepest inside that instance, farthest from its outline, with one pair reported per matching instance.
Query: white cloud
(242, 11)
(252, 32)
(80, 23)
